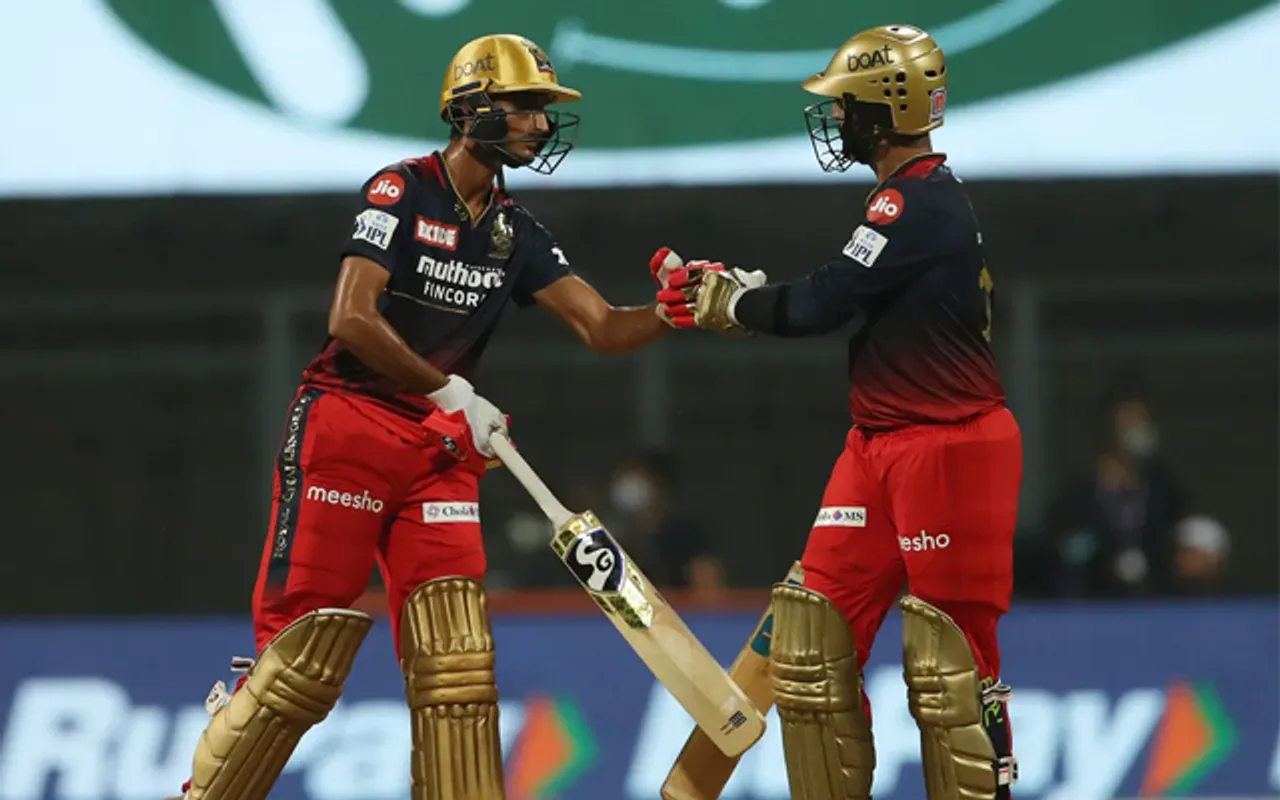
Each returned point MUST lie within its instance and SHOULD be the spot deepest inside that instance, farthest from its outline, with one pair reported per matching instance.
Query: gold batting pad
(944, 694)
(446, 654)
(818, 692)
(294, 684)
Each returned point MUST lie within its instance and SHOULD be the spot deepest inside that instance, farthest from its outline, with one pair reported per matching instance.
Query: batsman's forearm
(377, 344)
(622, 330)
(787, 310)
(757, 310)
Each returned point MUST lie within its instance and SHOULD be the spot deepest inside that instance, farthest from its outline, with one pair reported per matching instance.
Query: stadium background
(174, 180)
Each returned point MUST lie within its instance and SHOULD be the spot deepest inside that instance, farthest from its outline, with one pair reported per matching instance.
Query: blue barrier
(1124, 701)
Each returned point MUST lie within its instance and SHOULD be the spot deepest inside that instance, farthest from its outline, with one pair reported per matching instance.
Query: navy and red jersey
(451, 276)
(914, 278)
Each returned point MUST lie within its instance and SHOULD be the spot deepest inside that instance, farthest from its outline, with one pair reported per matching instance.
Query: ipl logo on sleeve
(865, 245)
(375, 227)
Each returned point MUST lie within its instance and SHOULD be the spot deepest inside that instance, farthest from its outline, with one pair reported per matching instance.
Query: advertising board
(1109, 702)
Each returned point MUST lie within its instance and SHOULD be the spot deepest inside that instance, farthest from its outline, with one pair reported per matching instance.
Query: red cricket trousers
(356, 483)
(930, 506)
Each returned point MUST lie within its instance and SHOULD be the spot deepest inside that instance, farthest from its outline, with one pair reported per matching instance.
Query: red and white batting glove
(665, 263)
(662, 264)
(676, 301)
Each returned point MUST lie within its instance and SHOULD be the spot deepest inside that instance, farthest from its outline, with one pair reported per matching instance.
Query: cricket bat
(659, 636)
(702, 770)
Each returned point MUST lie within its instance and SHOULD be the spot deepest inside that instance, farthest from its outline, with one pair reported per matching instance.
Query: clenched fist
(703, 294)
(676, 302)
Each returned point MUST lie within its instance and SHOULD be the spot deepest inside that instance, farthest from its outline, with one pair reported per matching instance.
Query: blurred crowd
(1125, 526)
(673, 550)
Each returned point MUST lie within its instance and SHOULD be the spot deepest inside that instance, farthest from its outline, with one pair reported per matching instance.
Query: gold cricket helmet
(888, 79)
(502, 63)
(508, 65)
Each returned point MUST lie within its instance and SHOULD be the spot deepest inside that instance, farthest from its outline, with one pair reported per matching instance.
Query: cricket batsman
(386, 441)
(925, 492)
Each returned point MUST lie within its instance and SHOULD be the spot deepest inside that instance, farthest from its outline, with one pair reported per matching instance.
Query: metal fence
(186, 390)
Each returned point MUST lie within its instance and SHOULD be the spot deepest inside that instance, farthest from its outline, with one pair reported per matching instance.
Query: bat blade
(653, 629)
(701, 770)
(729, 722)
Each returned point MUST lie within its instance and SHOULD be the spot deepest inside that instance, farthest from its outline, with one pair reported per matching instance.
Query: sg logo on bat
(596, 561)
(600, 565)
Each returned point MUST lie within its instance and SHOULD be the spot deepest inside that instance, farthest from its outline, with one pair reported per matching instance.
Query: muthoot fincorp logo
(456, 283)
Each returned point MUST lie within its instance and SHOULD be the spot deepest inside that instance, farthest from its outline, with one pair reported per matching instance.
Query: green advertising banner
(212, 95)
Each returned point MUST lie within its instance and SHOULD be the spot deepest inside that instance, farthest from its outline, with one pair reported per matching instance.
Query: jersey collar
(460, 206)
(920, 166)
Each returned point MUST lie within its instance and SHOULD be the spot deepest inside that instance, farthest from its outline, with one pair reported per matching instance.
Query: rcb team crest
(503, 237)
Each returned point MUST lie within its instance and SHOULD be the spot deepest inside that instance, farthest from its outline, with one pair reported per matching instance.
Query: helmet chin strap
(497, 159)
(488, 154)
(504, 157)
(496, 156)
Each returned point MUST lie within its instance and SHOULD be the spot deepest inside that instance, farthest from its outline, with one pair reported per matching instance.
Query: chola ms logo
(374, 53)
(450, 512)
(925, 541)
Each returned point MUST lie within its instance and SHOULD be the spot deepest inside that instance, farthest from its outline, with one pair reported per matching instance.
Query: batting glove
(483, 418)
(718, 294)
(662, 264)
(676, 302)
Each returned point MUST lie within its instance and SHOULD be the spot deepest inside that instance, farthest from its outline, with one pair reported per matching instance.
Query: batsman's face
(527, 124)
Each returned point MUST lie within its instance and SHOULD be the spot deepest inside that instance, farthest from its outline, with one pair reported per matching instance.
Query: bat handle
(515, 463)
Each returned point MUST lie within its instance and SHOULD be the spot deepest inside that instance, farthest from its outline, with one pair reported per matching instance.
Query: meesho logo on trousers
(925, 541)
(360, 502)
